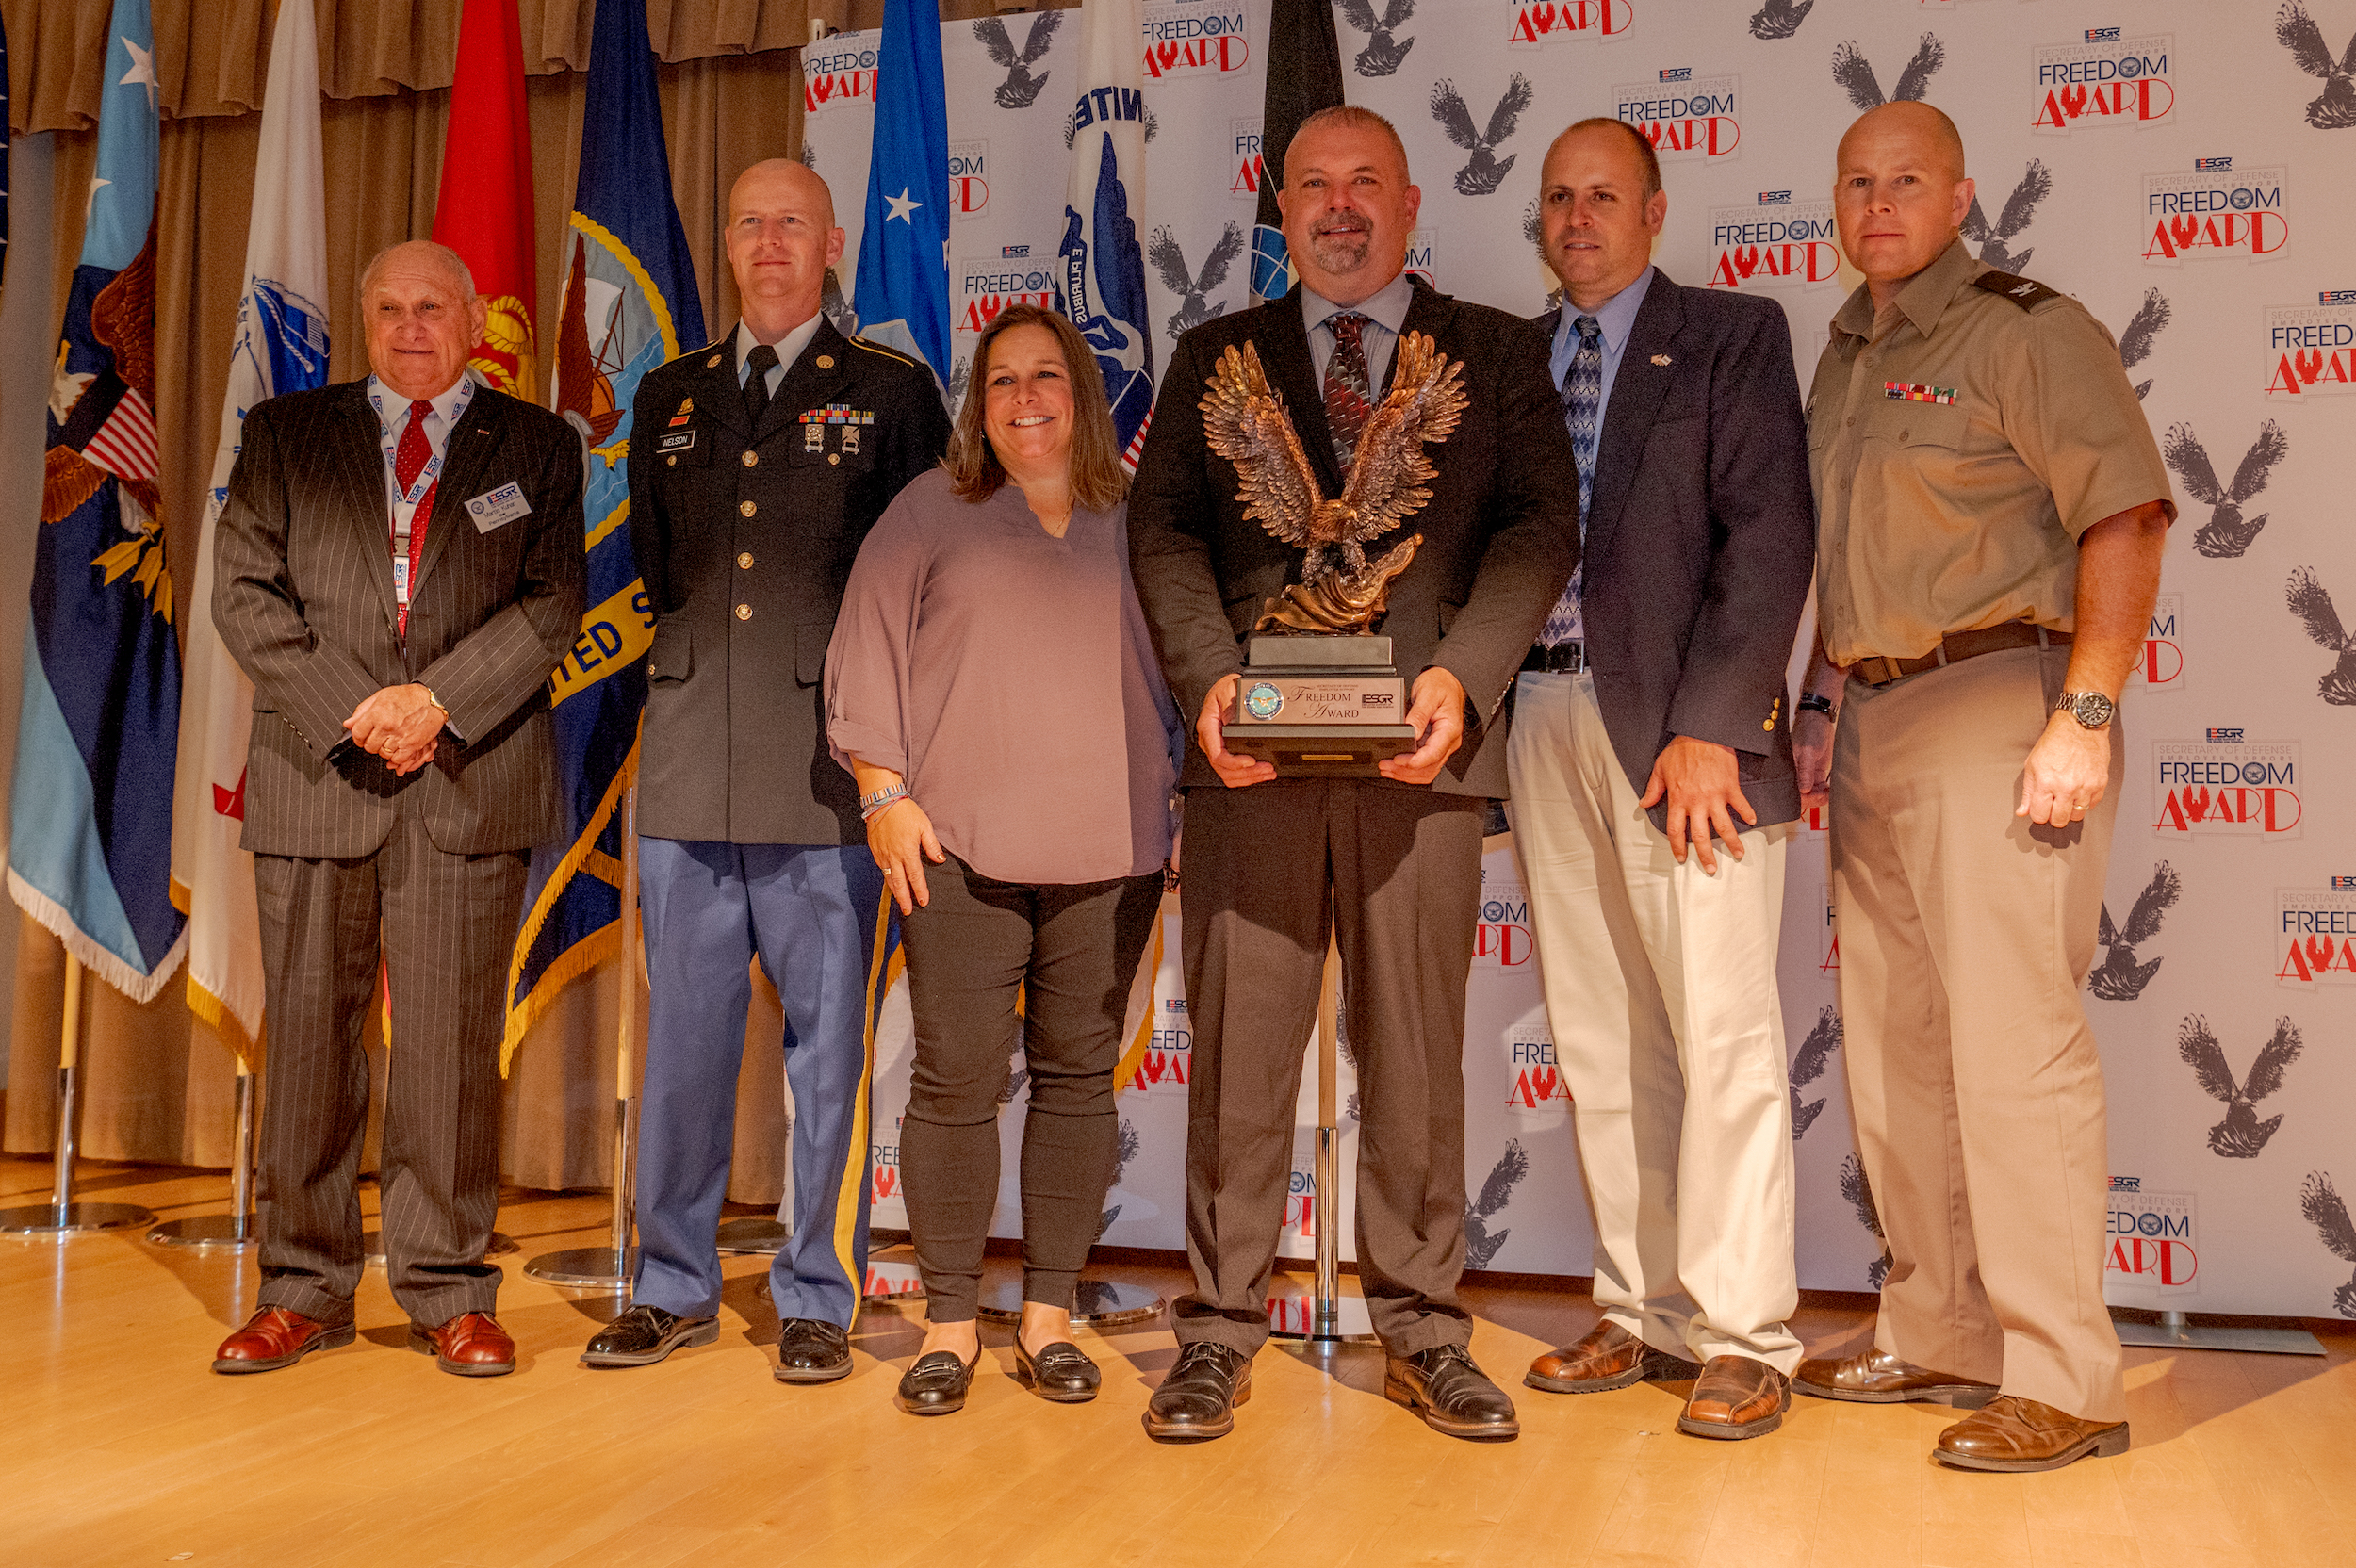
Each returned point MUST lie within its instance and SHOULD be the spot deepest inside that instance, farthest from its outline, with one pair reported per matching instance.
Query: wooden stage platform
(119, 1446)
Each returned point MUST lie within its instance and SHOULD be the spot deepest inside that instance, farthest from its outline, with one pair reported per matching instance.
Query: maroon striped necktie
(1348, 394)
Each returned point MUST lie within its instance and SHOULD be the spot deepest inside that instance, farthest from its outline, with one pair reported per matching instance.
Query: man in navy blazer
(1654, 794)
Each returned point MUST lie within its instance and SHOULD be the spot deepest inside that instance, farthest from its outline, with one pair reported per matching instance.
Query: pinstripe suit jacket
(303, 595)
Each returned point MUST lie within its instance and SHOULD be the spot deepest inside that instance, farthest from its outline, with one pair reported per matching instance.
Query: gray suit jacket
(1501, 533)
(303, 595)
(1701, 538)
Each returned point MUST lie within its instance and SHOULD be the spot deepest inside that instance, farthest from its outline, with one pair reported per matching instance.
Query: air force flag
(902, 288)
(1101, 267)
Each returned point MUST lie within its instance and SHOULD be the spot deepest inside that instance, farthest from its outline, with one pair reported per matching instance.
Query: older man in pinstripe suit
(398, 568)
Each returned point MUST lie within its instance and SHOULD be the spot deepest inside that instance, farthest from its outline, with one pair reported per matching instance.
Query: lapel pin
(1661, 359)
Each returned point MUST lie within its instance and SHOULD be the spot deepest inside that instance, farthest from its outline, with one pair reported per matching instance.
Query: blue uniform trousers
(817, 918)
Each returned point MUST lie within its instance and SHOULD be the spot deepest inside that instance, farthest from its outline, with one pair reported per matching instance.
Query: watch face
(2091, 709)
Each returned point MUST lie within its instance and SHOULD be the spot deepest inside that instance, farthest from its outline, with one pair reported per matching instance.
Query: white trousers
(1661, 992)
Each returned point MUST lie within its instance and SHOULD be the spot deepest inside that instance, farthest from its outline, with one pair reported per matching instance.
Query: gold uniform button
(825, 362)
(673, 462)
(1767, 724)
(744, 612)
(751, 459)
(831, 457)
(745, 561)
(746, 508)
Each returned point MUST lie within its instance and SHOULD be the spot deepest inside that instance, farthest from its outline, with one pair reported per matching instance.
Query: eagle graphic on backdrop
(1480, 1244)
(1021, 89)
(2326, 1210)
(1130, 1144)
(1531, 232)
(2227, 533)
(2119, 977)
(1995, 242)
(2241, 1135)
(1809, 1064)
(2135, 343)
(1193, 289)
(1244, 421)
(1484, 171)
(2334, 107)
(2312, 604)
(1851, 69)
(1859, 1192)
(1383, 54)
(1779, 18)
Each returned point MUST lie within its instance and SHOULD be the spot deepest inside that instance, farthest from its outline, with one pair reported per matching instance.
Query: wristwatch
(2092, 709)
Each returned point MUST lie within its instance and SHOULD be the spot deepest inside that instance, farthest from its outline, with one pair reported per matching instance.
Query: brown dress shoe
(1736, 1398)
(472, 1345)
(274, 1337)
(2016, 1434)
(1878, 1378)
(1607, 1357)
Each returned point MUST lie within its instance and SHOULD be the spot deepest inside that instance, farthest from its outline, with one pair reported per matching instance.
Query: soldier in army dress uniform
(759, 462)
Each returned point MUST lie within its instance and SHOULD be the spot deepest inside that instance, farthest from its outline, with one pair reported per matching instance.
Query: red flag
(484, 209)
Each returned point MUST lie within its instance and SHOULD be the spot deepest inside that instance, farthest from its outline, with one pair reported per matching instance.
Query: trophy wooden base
(1319, 707)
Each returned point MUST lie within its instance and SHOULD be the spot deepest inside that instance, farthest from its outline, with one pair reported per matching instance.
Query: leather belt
(1562, 658)
(1879, 671)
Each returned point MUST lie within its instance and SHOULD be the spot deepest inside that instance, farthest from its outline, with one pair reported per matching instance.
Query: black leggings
(1072, 948)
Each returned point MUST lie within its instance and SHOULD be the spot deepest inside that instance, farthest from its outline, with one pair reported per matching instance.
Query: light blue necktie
(1583, 395)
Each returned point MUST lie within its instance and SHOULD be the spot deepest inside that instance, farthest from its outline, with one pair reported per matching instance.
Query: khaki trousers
(1661, 992)
(1965, 935)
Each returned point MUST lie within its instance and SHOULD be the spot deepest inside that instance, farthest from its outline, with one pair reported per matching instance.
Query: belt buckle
(1889, 674)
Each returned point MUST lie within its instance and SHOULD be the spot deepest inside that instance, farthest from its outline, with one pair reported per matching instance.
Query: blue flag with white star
(902, 288)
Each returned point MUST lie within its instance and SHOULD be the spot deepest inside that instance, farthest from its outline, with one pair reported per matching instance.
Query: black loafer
(644, 1335)
(1198, 1399)
(1451, 1393)
(1060, 1372)
(936, 1385)
(812, 1351)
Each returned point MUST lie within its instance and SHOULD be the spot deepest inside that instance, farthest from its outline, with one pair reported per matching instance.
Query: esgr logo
(2315, 936)
(2162, 666)
(2215, 212)
(969, 178)
(1503, 938)
(2226, 787)
(2223, 737)
(835, 76)
(1194, 38)
(1678, 73)
(986, 287)
(2311, 349)
(2336, 297)
(1776, 243)
(1556, 20)
(2105, 80)
(1695, 121)
(2152, 1237)
(1013, 252)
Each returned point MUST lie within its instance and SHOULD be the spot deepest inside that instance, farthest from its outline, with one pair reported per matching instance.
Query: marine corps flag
(280, 346)
(629, 304)
(1099, 264)
(484, 209)
(90, 840)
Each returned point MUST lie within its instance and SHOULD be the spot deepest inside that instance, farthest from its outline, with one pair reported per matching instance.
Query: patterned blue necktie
(1583, 393)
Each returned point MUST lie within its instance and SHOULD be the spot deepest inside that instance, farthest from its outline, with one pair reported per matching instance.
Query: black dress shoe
(936, 1385)
(1060, 1372)
(1451, 1393)
(812, 1351)
(1198, 1397)
(644, 1335)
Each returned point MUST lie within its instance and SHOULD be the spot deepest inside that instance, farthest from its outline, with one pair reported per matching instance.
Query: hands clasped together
(401, 723)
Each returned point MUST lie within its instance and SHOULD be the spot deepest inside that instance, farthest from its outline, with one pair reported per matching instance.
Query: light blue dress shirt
(1385, 311)
(1617, 318)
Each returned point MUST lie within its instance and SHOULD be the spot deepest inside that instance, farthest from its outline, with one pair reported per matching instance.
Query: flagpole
(1335, 1322)
(62, 1216)
(233, 1230)
(611, 1268)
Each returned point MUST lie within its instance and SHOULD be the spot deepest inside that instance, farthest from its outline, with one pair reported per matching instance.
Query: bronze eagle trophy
(1341, 593)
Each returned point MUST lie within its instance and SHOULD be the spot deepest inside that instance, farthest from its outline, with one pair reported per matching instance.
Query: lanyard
(432, 468)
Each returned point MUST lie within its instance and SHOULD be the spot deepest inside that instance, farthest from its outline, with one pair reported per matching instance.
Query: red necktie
(1348, 400)
(408, 462)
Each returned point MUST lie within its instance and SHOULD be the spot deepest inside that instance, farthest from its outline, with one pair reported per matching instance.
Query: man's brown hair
(1351, 117)
(1098, 481)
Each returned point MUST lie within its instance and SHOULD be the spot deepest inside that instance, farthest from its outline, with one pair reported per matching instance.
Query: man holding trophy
(1361, 401)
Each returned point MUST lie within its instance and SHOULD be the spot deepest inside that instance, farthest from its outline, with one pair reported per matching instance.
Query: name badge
(494, 508)
(674, 441)
(401, 578)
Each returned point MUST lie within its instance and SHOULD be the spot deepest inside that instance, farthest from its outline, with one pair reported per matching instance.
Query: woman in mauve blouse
(993, 687)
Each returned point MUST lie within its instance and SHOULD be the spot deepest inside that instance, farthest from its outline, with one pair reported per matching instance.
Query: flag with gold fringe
(629, 304)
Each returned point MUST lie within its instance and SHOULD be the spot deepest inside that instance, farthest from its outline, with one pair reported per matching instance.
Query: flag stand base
(235, 1230)
(61, 1217)
(2176, 1332)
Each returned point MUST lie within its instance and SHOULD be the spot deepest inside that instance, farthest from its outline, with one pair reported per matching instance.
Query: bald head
(422, 317)
(781, 240)
(1899, 193)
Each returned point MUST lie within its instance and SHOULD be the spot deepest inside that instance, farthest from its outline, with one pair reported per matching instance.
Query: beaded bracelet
(870, 804)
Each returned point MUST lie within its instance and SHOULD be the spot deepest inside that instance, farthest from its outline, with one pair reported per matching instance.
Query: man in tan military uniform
(1991, 510)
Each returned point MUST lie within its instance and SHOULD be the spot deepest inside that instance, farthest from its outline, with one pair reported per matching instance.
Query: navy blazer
(1701, 538)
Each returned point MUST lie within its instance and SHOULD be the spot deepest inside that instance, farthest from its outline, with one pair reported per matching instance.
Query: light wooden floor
(119, 1446)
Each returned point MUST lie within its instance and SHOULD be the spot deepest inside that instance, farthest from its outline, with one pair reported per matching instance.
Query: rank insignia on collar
(713, 364)
(1915, 392)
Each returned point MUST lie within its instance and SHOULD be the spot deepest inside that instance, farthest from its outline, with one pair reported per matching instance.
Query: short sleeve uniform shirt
(1961, 440)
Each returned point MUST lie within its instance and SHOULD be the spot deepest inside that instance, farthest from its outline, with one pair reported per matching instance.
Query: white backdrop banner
(2182, 169)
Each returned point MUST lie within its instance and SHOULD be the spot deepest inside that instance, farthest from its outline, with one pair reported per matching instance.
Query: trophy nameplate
(1327, 700)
